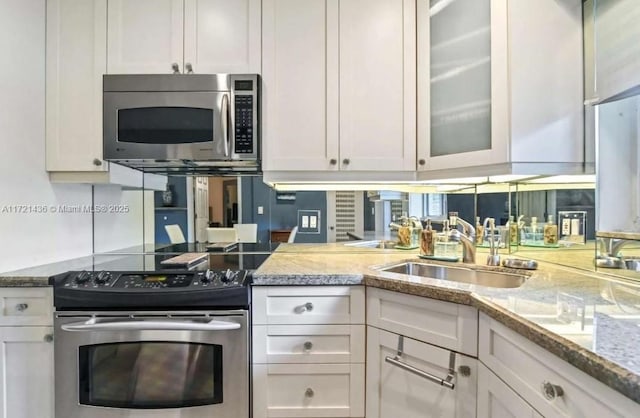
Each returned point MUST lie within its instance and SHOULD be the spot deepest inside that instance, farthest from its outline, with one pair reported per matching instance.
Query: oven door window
(165, 125)
(150, 374)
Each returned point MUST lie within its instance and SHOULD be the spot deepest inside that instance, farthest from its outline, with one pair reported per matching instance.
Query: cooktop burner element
(210, 289)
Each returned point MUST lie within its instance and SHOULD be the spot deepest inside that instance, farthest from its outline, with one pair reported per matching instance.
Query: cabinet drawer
(444, 324)
(308, 343)
(525, 366)
(308, 390)
(26, 306)
(308, 305)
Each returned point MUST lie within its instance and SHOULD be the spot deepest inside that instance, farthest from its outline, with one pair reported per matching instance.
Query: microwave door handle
(92, 325)
(224, 119)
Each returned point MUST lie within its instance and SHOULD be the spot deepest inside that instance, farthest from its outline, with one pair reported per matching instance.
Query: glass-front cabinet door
(461, 51)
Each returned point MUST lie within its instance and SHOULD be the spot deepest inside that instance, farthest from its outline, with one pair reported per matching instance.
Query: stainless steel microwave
(183, 123)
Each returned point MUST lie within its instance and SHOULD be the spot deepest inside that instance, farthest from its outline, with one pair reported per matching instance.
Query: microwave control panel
(244, 129)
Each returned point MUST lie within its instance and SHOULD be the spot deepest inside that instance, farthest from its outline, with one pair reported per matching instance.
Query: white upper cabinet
(615, 37)
(339, 86)
(300, 84)
(203, 36)
(500, 86)
(76, 58)
(145, 36)
(377, 85)
(222, 36)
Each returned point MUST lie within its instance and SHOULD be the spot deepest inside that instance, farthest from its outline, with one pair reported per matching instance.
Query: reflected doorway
(230, 202)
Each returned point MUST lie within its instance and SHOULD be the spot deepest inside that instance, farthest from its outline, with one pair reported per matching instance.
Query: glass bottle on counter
(444, 247)
(550, 232)
(513, 231)
(479, 232)
(427, 240)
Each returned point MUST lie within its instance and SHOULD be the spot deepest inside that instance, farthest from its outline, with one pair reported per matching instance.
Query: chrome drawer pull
(21, 307)
(446, 382)
(551, 391)
(307, 307)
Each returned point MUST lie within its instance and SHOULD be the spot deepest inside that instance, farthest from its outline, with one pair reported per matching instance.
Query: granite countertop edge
(24, 281)
(598, 367)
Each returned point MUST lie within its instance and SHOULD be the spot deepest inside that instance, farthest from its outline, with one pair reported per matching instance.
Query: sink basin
(373, 244)
(459, 274)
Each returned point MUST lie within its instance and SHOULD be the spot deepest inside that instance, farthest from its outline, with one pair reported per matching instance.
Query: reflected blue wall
(280, 215)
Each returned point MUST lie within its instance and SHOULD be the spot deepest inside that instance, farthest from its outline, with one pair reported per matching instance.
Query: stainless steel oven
(162, 344)
(146, 364)
(182, 122)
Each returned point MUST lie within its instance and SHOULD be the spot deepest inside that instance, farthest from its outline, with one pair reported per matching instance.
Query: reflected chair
(175, 234)
(247, 232)
(222, 235)
(292, 235)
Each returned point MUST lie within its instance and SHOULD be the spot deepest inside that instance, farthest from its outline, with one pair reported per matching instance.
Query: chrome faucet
(466, 237)
(612, 246)
(456, 222)
(468, 245)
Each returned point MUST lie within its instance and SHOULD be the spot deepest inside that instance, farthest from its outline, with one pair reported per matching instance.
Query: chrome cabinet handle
(435, 379)
(346, 161)
(422, 161)
(189, 68)
(48, 338)
(307, 307)
(21, 307)
(176, 68)
(333, 161)
(309, 393)
(308, 345)
(551, 391)
(97, 162)
(224, 118)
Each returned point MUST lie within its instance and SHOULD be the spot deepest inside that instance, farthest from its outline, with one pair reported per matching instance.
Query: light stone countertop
(605, 343)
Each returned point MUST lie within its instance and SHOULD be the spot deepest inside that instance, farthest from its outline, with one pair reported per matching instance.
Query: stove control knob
(82, 277)
(209, 275)
(102, 277)
(228, 276)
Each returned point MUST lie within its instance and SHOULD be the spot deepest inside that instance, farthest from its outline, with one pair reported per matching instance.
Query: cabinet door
(497, 400)
(144, 36)
(394, 392)
(26, 372)
(617, 48)
(75, 61)
(300, 84)
(462, 83)
(222, 36)
(377, 85)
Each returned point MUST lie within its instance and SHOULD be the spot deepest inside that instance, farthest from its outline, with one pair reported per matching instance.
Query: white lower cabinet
(404, 384)
(551, 385)
(497, 400)
(26, 353)
(308, 351)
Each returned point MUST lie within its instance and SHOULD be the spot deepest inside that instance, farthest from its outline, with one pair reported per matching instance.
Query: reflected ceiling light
(585, 178)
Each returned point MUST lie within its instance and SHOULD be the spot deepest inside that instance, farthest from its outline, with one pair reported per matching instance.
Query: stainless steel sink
(459, 274)
(377, 243)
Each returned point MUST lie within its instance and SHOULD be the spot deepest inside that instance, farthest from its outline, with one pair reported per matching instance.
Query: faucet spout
(467, 228)
(468, 245)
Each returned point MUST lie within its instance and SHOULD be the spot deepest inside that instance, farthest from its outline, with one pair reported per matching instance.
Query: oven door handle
(92, 325)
